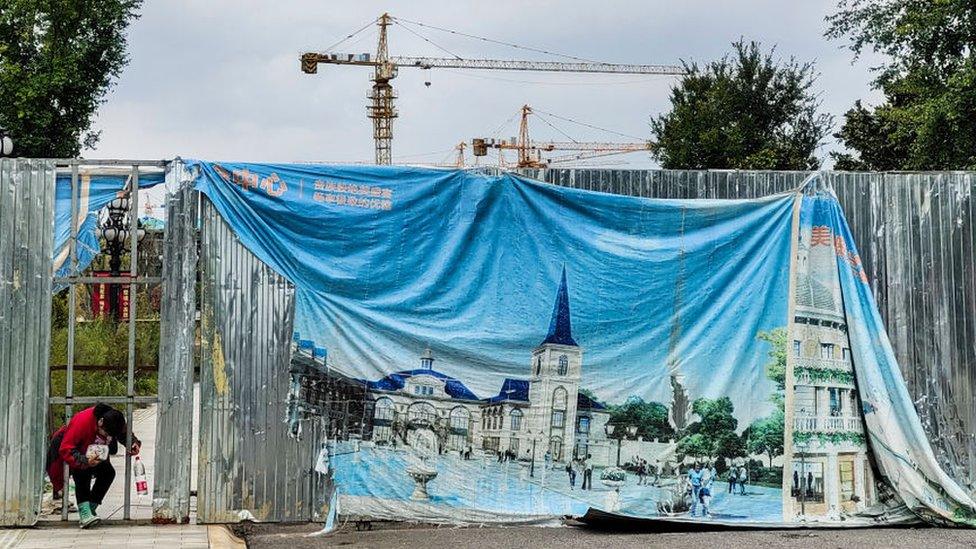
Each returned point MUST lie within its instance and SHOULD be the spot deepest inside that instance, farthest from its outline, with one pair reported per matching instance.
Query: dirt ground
(572, 537)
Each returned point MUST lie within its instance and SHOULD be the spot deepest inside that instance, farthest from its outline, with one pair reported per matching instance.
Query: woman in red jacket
(100, 424)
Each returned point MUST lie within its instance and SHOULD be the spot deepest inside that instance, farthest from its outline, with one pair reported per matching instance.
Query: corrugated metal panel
(249, 467)
(171, 493)
(26, 239)
(916, 236)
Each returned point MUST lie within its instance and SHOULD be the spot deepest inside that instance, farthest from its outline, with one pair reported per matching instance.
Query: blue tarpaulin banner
(525, 351)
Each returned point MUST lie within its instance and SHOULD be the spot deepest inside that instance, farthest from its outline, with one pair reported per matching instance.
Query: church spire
(560, 326)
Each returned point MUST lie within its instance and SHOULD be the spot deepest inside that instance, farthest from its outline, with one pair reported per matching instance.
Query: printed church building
(545, 413)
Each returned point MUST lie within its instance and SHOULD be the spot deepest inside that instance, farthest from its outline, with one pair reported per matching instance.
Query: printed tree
(650, 418)
(713, 435)
(765, 435)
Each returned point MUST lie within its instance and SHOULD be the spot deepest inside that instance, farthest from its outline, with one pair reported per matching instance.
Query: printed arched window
(556, 448)
(559, 399)
(383, 409)
(459, 418)
(516, 419)
(422, 411)
(563, 364)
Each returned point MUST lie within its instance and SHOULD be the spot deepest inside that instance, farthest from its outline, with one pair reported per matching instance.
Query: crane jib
(496, 64)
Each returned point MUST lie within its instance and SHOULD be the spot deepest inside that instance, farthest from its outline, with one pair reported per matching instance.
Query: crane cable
(428, 40)
(591, 126)
(554, 127)
(509, 44)
(364, 27)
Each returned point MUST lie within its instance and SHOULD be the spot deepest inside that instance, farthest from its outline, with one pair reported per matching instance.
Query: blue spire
(560, 326)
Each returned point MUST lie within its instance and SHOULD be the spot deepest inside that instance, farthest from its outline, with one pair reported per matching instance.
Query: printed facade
(830, 473)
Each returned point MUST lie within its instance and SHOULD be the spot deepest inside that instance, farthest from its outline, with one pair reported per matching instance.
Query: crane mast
(381, 108)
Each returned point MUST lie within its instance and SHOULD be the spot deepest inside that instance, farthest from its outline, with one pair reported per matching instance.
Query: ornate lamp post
(115, 232)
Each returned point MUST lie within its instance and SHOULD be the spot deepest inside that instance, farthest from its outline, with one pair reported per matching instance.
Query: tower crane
(530, 152)
(381, 108)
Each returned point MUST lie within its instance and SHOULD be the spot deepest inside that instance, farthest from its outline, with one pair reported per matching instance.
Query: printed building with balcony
(830, 474)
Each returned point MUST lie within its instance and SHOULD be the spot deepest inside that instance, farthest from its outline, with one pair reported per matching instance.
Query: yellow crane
(530, 152)
(381, 109)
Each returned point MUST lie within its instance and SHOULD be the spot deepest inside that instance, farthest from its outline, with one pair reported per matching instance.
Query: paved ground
(297, 537)
(115, 536)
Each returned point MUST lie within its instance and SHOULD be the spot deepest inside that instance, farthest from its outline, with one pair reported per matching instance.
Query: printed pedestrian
(588, 472)
(695, 480)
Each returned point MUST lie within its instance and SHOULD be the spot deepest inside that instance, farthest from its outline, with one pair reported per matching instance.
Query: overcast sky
(220, 79)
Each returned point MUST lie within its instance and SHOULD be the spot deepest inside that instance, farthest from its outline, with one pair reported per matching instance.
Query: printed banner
(501, 350)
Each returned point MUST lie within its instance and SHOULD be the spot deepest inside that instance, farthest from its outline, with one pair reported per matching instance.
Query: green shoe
(86, 519)
(93, 506)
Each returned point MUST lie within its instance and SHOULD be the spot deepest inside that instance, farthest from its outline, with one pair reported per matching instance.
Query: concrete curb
(220, 537)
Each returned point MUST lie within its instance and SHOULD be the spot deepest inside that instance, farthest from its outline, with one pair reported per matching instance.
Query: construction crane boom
(381, 110)
(595, 146)
(311, 60)
(530, 152)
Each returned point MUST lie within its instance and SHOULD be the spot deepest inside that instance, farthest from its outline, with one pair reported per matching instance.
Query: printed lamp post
(801, 447)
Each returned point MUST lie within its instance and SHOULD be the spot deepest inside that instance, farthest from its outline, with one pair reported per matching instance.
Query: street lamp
(532, 464)
(115, 232)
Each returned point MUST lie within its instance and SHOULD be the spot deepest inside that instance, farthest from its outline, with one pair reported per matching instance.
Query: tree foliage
(713, 435)
(57, 61)
(765, 436)
(744, 111)
(651, 418)
(928, 118)
(776, 367)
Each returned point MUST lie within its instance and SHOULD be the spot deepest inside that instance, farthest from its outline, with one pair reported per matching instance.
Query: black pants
(587, 480)
(103, 474)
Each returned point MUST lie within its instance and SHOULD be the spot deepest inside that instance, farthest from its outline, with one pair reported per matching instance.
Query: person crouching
(99, 425)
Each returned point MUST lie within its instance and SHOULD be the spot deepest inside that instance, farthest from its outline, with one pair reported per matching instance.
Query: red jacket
(70, 443)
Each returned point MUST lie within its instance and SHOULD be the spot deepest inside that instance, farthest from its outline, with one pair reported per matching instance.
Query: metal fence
(178, 307)
(250, 469)
(916, 235)
(26, 240)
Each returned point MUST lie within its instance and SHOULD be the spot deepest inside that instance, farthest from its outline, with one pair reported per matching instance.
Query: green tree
(776, 367)
(765, 436)
(713, 435)
(744, 111)
(696, 446)
(651, 418)
(57, 61)
(928, 118)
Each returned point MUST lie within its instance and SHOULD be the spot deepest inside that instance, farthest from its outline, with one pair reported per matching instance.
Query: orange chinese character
(820, 236)
(274, 185)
